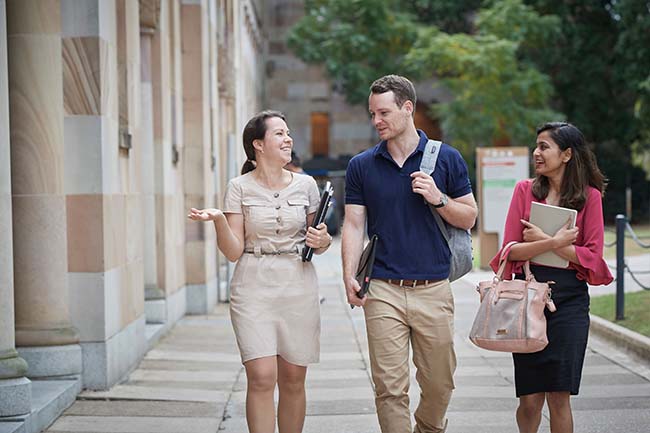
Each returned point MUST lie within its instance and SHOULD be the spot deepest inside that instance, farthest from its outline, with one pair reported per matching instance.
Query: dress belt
(257, 251)
(406, 283)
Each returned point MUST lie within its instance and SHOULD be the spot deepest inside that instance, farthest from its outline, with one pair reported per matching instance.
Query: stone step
(153, 332)
(12, 427)
(49, 399)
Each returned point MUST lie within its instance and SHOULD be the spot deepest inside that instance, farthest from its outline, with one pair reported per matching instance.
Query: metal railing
(622, 225)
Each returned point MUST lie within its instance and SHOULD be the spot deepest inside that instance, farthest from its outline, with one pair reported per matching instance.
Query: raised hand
(210, 214)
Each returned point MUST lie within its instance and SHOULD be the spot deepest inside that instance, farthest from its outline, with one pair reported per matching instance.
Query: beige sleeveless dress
(274, 304)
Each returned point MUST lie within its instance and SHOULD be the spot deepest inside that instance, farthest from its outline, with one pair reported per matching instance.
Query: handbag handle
(503, 260)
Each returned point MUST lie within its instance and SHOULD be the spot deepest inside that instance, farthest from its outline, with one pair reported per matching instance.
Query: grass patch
(637, 310)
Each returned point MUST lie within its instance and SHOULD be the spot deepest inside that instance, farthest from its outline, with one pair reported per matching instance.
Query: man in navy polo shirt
(409, 300)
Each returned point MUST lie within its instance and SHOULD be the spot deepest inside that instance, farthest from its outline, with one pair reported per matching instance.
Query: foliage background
(510, 64)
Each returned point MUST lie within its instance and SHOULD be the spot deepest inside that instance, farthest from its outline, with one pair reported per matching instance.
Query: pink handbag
(511, 316)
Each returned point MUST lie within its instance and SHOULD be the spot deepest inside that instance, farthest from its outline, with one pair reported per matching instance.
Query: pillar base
(152, 293)
(155, 310)
(202, 298)
(15, 396)
(52, 361)
(26, 337)
(107, 362)
(12, 366)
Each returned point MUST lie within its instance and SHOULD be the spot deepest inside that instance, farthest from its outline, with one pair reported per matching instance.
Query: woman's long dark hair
(255, 129)
(581, 170)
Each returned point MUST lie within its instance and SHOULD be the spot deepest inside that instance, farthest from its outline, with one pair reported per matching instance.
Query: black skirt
(559, 366)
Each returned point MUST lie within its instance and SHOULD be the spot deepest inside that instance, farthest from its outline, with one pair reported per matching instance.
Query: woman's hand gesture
(533, 233)
(204, 214)
(566, 236)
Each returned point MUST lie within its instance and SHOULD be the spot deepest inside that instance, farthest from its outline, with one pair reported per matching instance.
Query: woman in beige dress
(274, 295)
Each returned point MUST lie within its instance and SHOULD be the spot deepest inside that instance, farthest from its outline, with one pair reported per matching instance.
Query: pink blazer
(589, 245)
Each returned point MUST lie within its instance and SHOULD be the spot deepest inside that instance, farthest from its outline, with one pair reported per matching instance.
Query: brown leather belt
(406, 283)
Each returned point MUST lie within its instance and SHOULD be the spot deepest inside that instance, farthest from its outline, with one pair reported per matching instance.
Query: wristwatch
(443, 201)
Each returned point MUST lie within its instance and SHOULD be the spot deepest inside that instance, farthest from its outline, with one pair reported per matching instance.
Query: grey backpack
(458, 240)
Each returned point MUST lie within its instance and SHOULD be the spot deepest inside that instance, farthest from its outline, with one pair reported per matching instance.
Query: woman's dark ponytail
(255, 129)
(248, 166)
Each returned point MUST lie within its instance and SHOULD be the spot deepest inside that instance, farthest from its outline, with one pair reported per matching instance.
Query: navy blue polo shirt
(410, 244)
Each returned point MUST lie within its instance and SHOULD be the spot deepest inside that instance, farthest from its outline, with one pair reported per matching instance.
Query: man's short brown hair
(401, 87)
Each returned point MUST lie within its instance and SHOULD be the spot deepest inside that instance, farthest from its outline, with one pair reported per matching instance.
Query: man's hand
(424, 185)
(352, 287)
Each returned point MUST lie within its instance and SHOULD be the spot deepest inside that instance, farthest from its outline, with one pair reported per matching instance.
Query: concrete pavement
(192, 381)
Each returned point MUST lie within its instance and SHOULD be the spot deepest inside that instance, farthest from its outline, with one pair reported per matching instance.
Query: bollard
(620, 266)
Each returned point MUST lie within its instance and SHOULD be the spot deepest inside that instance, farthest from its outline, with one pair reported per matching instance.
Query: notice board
(497, 172)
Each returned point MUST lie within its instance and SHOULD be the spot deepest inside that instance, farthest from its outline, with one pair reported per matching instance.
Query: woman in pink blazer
(566, 174)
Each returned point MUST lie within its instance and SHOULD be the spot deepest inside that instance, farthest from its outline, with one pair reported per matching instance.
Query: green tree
(498, 96)
(360, 40)
(599, 69)
(633, 67)
(356, 41)
(509, 65)
(449, 16)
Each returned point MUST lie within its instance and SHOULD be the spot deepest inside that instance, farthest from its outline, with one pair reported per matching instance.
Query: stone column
(15, 389)
(155, 309)
(170, 215)
(200, 246)
(101, 93)
(44, 334)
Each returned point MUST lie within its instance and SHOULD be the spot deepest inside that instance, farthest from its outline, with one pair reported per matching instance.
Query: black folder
(364, 270)
(325, 202)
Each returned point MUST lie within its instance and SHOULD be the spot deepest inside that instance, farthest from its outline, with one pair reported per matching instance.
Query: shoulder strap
(440, 223)
(428, 165)
(430, 156)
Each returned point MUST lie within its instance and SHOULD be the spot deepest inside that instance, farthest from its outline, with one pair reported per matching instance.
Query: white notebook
(551, 219)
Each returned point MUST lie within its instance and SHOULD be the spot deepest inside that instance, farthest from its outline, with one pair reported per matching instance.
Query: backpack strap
(428, 165)
(440, 223)
(430, 156)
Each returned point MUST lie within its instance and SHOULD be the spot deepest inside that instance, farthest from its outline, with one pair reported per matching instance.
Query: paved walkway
(192, 381)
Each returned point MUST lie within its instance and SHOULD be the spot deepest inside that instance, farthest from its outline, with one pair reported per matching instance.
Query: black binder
(325, 202)
(364, 270)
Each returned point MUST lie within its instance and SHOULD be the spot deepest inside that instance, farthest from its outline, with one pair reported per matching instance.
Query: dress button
(277, 231)
(278, 219)
(276, 195)
(278, 207)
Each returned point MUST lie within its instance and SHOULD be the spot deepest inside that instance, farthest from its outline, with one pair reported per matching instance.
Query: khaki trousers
(423, 317)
